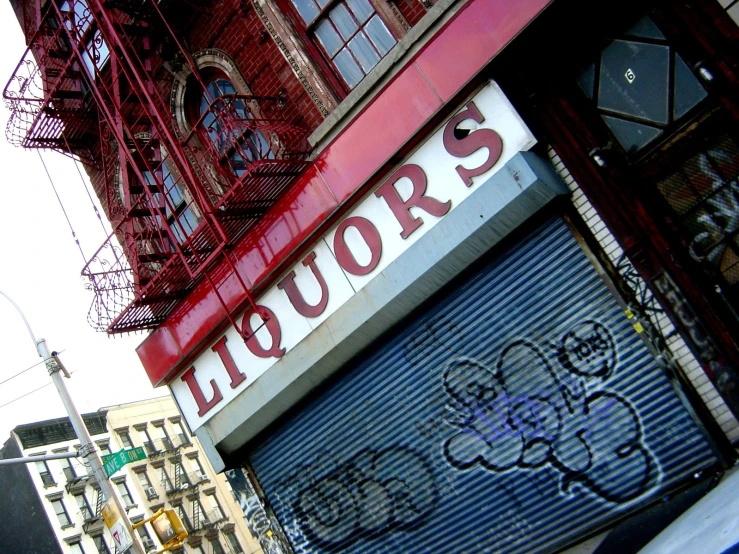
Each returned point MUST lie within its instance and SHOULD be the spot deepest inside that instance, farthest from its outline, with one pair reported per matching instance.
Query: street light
(87, 449)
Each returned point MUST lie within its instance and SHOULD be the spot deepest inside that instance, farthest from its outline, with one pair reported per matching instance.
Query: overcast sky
(40, 268)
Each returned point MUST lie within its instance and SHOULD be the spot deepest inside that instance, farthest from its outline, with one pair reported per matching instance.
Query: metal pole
(87, 448)
(32, 459)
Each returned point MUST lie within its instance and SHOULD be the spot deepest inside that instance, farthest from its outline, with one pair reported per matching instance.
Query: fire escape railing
(92, 71)
(46, 95)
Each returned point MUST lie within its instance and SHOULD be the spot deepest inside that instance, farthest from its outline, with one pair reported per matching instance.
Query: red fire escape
(95, 83)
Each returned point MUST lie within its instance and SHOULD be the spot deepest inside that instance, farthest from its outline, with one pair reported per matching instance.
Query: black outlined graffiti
(373, 493)
(525, 414)
(270, 539)
(436, 333)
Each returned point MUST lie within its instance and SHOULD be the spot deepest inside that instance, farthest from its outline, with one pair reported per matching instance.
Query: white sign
(117, 527)
(465, 152)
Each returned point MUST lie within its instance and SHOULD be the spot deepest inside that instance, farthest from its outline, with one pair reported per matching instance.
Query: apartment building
(176, 474)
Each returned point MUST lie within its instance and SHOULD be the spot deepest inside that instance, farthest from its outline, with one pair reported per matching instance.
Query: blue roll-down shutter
(519, 412)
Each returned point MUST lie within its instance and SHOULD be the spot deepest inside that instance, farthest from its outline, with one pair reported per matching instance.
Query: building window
(350, 34)
(61, 512)
(166, 481)
(100, 544)
(163, 440)
(95, 52)
(84, 506)
(197, 466)
(147, 442)
(43, 471)
(146, 540)
(76, 548)
(181, 432)
(104, 448)
(125, 439)
(216, 546)
(224, 119)
(183, 517)
(216, 512)
(146, 485)
(180, 215)
(68, 470)
(125, 494)
(234, 542)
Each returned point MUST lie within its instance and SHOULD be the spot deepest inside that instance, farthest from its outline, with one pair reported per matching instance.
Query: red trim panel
(446, 63)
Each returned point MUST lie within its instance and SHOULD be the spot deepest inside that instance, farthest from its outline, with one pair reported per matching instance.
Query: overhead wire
(25, 370)
(74, 234)
(87, 190)
(31, 392)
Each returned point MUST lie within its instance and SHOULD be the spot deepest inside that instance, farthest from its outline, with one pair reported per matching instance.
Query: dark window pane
(344, 21)
(307, 9)
(328, 37)
(380, 35)
(688, 90)
(646, 28)
(634, 80)
(362, 9)
(363, 52)
(348, 68)
(632, 136)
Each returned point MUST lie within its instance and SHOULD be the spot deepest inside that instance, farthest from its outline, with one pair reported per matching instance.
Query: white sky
(40, 268)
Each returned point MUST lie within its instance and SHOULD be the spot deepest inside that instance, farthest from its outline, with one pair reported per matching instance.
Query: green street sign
(114, 462)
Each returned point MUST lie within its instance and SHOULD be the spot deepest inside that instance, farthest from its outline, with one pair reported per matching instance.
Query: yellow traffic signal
(169, 528)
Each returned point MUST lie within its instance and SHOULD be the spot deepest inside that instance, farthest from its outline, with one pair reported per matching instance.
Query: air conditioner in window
(151, 492)
(148, 544)
(203, 476)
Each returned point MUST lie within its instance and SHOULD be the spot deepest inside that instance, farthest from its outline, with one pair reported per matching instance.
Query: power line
(22, 372)
(74, 235)
(29, 393)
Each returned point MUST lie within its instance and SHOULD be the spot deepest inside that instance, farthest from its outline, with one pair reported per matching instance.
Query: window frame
(125, 492)
(233, 541)
(45, 475)
(84, 506)
(102, 544)
(68, 469)
(58, 499)
(306, 34)
(124, 435)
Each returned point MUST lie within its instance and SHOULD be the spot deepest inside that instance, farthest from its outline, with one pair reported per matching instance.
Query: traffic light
(169, 528)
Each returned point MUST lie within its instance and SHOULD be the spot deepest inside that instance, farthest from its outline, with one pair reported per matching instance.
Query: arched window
(226, 118)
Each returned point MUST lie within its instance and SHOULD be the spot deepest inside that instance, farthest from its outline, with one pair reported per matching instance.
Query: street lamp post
(87, 448)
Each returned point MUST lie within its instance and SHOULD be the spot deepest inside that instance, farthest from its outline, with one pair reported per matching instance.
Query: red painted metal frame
(137, 286)
(428, 83)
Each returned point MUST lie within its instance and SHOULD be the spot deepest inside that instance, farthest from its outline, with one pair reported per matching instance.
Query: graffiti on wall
(375, 492)
(257, 519)
(531, 410)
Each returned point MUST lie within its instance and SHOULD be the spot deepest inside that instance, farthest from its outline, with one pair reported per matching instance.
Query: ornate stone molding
(305, 71)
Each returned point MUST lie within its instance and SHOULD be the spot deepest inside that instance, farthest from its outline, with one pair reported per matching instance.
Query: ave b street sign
(114, 462)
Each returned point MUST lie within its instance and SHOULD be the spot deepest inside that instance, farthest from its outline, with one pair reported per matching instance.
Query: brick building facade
(455, 274)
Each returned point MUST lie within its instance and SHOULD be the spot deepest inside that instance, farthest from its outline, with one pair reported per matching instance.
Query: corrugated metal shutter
(519, 412)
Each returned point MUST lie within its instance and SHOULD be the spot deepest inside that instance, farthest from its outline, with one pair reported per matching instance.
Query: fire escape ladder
(177, 475)
(98, 502)
(178, 204)
(196, 515)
